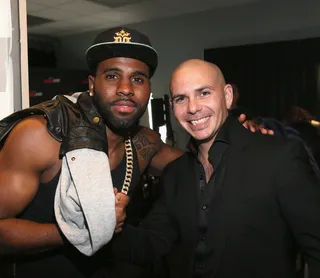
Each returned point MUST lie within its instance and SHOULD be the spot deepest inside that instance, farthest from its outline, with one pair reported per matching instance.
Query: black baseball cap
(122, 42)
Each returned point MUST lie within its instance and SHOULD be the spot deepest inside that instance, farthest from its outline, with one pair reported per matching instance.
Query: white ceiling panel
(117, 3)
(79, 22)
(120, 16)
(83, 7)
(88, 21)
(54, 14)
(34, 7)
(74, 16)
(49, 3)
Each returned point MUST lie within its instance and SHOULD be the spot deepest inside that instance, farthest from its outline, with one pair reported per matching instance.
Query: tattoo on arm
(148, 153)
(144, 146)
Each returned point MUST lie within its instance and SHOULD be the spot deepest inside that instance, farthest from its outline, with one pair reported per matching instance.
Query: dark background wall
(272, 77)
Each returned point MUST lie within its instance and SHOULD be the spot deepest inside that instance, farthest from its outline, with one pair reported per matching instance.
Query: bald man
(237, 204)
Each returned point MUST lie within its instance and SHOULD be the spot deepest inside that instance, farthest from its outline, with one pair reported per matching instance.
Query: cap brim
(99, 52)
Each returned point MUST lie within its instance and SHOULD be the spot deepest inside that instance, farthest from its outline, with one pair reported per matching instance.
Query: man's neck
(203, 156)
(203, 150)
(204, 147)
(114, 140)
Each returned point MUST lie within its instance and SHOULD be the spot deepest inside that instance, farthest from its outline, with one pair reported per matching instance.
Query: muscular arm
(164, 156)
(28, 152)
(153, 151)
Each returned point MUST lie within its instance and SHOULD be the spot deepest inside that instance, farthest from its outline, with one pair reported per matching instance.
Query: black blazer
(267, 208)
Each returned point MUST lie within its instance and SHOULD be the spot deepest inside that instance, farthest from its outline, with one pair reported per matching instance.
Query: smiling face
(200, 98)
(121, 90)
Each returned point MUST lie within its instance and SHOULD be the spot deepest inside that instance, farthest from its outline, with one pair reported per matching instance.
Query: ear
(170, 98)
(228, 95)
(171, 103)
(91, 80)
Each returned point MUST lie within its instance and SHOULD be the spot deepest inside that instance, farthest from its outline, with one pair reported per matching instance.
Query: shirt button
(204, 207)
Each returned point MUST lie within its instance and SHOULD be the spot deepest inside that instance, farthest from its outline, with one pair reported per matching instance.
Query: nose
(125, 88)
(194, 106)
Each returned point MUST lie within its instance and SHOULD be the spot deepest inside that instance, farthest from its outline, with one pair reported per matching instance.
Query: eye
(111, 76)
(137, 79)
(205, 93)
(180, 99)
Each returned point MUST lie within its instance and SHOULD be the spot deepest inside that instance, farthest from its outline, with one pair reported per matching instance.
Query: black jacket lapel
(226, 201)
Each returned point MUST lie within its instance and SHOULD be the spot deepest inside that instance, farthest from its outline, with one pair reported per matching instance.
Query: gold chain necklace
(129, 166)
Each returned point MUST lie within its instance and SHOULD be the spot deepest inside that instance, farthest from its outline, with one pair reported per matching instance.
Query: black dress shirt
(206, 190)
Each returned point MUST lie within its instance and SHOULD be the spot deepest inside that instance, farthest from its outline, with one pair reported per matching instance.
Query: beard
(118, 124)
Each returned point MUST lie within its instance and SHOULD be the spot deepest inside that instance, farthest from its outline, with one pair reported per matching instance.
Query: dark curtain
(272, 77)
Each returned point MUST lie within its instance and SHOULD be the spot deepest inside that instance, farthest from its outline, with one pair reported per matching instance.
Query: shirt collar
(221, 137)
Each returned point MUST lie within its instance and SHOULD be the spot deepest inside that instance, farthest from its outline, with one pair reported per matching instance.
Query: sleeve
(154, 237)
(298, 195)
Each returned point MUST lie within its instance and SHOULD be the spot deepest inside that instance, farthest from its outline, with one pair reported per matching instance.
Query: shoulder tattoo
(144, 146)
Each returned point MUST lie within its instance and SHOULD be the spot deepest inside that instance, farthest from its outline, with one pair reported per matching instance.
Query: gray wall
(15, 54)
(180, 38)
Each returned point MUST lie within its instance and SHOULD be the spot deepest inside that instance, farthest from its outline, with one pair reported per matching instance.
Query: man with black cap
(36, 141)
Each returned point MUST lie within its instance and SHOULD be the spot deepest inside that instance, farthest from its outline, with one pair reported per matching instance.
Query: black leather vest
(76, 125)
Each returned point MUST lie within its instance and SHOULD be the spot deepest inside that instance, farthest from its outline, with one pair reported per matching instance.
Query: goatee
(117, 124)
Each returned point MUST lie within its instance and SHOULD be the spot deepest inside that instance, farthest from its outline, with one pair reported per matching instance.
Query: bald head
(192, 66)
(200, 98)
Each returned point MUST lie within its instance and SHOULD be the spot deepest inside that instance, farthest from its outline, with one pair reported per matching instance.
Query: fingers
(253, 127)
(262, 130)
(121, 202)
(120, 217)
(118, 228)
(242, 118)
(270, 132)
(120, 224)
(250, 125)
(123, 199)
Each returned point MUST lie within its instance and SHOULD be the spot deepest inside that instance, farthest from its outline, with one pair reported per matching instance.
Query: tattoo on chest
(144, 146)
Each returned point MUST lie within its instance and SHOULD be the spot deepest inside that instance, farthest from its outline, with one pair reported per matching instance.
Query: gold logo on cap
(122, 36)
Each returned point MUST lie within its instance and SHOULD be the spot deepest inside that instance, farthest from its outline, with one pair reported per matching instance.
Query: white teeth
(200, 121)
